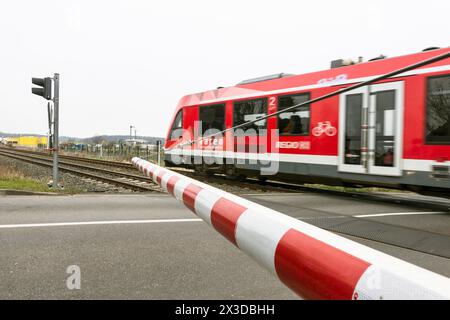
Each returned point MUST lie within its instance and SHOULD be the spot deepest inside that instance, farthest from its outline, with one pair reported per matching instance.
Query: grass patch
(12, 179)
(15, 180)
(23, 184)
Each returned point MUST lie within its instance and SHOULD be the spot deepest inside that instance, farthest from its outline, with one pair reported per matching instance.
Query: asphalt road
(152, 247)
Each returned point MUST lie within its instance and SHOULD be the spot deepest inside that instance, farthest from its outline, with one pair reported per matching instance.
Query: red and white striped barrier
(314, 263)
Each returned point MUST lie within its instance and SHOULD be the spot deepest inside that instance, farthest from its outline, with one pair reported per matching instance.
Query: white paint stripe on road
(374, 215)
(83, 223)
(396, 214)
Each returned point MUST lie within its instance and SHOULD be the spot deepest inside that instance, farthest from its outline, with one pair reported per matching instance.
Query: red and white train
(394, 132)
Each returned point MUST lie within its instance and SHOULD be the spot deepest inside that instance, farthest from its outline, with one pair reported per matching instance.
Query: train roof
(334, 76)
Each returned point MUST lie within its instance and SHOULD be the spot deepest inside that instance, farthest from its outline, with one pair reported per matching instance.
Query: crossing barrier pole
(314, 263)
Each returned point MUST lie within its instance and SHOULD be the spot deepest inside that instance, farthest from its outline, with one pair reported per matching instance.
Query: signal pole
(44, 90)
(56, 132)
(158, 151)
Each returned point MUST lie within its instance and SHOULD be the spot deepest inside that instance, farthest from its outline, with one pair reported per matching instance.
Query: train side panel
(399, 155)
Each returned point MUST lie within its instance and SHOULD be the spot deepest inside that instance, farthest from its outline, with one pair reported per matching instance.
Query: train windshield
(177, 127)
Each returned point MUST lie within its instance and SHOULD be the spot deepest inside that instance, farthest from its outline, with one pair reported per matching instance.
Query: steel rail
(90, 160)
(82, 166)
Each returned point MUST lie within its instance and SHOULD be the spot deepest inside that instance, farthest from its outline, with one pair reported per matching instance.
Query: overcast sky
(128, 62)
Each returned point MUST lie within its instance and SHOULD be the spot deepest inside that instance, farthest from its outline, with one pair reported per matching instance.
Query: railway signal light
(46, 90)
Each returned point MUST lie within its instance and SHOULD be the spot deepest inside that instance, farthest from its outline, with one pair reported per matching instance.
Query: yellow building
(28, 141)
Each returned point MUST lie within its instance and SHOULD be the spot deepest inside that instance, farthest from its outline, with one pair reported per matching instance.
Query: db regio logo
(302, 145)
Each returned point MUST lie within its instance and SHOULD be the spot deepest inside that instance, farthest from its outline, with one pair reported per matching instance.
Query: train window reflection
(385, 128)
(438, 110)
(296, 121)
(353, 129)
(249, 110)
(212, 118)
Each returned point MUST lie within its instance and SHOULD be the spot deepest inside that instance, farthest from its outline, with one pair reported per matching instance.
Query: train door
(371, 134)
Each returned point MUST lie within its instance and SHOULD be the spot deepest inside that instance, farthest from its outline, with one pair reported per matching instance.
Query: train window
(212, 118)
(354, 103)
(296, 121)
(249, 110)
(438, 110)
(177, 126)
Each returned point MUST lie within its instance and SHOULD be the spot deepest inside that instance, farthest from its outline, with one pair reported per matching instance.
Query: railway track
(115, 164)
(112, 177)
(396, 235)
(249, 184)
